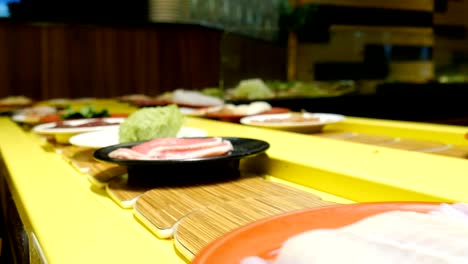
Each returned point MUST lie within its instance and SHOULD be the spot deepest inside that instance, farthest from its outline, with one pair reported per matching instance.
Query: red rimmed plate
(225, 116)
(263, 238)
(56, 117)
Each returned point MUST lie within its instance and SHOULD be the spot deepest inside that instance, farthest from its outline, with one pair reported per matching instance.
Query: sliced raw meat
(127, 154)
(202, 152)
(175, 148)
(439, 237)
(162, 144)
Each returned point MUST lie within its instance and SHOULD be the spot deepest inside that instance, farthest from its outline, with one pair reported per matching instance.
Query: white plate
(22, 118)
(189, 111)
(298, 126)
(109, 137)
(62, 135)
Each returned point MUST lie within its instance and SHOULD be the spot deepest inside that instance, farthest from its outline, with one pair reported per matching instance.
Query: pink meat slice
(206, 152)
(175, 148)
(163, 144)
(127, 154)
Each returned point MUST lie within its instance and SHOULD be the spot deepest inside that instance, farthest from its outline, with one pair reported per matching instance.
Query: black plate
(186, 170)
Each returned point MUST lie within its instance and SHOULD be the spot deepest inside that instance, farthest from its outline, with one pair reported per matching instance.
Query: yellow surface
(76, 223)
(361, 172)
(448, 134)
(73, 222)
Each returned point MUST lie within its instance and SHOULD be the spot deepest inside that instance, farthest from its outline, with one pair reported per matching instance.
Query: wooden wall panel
(420, 5)
(71, 61)
(24, 61)
(4, 61)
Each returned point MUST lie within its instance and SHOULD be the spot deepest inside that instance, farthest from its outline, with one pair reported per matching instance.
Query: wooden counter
(74, 222)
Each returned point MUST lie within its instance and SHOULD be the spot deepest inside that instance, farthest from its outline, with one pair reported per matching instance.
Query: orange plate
(263, 238)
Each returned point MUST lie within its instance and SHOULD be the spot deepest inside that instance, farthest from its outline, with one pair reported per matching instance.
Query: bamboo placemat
(416, 145)
(159, 209)
(81, 158)
(433, 147)
(123, 194)
(336, 134)
(200, 228)
(370, 139)
(454, 151)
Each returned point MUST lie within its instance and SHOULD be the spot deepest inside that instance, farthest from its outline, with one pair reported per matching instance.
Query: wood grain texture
(432, 147)
(46, 61)
(81, 158)
(419, 5)
(202, 227)
(416, 145)
(370, 139)
(454, 151)
(163, 207)
(123, 194)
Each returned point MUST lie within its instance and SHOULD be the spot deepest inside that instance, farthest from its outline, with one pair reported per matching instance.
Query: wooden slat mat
(335, 134)
(81, 158)
(433, 147)
(123, 194)
(370, 139)
(159, 209)
(417, 145)
(454, 151)
(200, 228)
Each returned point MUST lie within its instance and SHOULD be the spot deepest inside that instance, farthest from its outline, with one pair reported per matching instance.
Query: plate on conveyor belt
(64, 130)
(183, 170)
(296, 122)
(264, 238)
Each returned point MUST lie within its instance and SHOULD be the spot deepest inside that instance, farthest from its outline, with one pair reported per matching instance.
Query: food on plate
(293, 117)
(194, 99)
(16, 100)
(175, 149)
(238, 110)
(91, 123)
(213, 91)
(70, 113)
(33, 114)
(58, 102)
(88, 111)
(406, 237)
(252, 89)
(257, 89)
(296, 122)
(181, 97)
(134, 97)
(151, 122)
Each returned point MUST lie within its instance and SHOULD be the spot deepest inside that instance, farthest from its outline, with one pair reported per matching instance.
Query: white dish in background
(62, 135)
(22, 118)
(282, 121)
(32, 115)
(109, 137)
(189, 111)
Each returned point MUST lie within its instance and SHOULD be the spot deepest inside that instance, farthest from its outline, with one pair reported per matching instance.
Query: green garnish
(84, 112)
(151, 122)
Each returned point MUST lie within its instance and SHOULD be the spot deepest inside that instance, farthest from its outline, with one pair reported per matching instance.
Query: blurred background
(392, 59)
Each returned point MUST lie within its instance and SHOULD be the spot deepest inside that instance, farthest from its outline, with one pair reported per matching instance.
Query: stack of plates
(169, 10)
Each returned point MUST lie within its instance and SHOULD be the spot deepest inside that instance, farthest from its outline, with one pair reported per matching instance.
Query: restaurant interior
(265, 119)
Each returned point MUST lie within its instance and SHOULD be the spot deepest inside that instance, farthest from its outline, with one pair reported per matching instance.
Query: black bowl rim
(237, 153)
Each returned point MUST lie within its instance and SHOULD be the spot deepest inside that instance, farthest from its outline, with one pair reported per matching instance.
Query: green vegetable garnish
(84, 112)
(252, 89)
(151, 122)
(213, 91)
